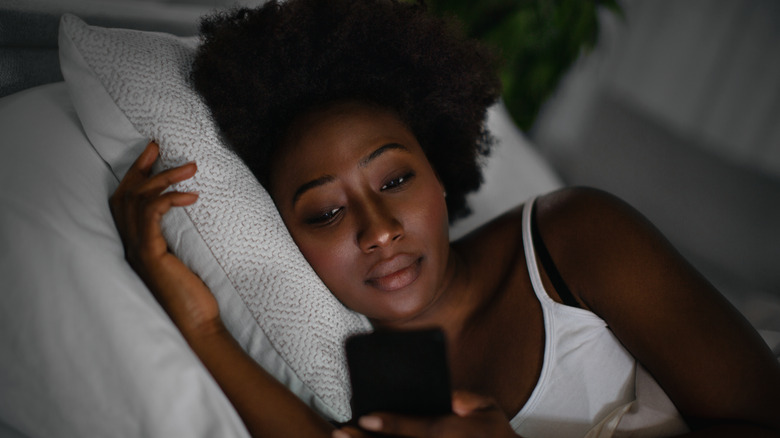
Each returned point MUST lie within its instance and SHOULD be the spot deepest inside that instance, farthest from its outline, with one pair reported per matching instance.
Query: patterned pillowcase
(129, 87)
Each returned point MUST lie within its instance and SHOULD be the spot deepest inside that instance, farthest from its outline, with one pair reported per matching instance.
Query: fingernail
(370, 422)
(340, 434)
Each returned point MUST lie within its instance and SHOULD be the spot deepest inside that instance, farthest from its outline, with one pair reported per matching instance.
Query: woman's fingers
(473, 416)
(140, 168)
(137, 186)
(140, 201)
(349, 432)
(153, 211)
(399, 425)
(137, 181)
(158, 183)
(489, 424)
(465, 403)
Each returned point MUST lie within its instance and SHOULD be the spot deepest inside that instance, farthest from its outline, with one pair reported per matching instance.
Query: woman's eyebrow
(364, 162)
(310, 185)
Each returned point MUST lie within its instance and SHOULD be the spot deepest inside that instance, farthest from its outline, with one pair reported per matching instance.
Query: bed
(85, 350)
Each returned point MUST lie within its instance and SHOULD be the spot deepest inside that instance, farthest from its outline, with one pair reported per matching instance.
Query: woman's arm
(267, 408)
(710, 361)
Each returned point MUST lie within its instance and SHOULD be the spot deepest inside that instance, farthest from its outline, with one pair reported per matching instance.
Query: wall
(709, 69)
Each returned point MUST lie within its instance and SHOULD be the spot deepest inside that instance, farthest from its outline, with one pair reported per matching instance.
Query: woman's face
(366, 208)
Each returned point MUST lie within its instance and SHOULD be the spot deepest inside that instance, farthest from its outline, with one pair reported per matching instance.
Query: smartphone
(403, 372)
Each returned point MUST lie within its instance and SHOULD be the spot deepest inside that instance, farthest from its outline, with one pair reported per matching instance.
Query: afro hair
(259, 69)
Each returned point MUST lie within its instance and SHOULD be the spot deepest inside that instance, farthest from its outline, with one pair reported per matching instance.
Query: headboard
(28, 30)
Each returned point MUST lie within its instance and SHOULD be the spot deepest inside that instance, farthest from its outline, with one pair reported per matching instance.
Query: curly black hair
(259, 69)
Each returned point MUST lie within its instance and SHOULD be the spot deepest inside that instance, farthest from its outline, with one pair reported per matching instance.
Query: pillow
(129, 87)
(85, 349)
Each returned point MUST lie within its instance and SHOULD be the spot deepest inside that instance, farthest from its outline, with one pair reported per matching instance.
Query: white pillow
(129, 87)
(84, 348)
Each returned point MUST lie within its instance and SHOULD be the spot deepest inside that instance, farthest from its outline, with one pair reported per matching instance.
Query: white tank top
(590, 385)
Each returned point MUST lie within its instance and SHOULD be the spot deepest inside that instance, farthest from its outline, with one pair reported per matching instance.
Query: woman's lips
(395, 273)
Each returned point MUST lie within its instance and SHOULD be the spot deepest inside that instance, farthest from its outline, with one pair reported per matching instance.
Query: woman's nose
(379, 227)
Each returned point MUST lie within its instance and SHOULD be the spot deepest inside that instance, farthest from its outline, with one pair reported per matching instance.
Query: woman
(364, 121)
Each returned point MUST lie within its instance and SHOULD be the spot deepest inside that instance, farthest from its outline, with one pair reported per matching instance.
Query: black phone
(403, 372)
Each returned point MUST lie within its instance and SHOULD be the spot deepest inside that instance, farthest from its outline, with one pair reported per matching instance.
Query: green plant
(538, 41)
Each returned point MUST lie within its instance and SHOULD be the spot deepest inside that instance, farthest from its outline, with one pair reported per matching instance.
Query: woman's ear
(441, 184)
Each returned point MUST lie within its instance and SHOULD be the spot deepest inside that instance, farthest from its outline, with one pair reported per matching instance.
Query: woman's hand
(266, 406)
(138, 205)
(473, 416)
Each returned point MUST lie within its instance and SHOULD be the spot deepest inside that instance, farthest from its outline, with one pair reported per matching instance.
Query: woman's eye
(398, 182)
(325, 217)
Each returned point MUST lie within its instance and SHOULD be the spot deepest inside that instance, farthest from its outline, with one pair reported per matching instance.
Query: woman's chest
(502, 352)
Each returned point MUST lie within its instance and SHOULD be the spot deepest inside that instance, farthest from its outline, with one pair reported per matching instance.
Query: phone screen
(404, 372)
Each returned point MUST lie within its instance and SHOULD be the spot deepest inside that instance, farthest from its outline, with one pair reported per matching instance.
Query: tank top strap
(538, 248)
(530, 254)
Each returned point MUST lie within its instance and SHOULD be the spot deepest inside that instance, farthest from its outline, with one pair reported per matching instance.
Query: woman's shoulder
(559, 210)
(581, 208)
(569, 210)
(583, 229)
(575, 223)
(603, 247)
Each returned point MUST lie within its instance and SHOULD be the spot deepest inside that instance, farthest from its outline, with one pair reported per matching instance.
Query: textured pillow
(129, 87)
